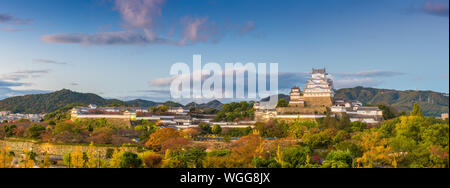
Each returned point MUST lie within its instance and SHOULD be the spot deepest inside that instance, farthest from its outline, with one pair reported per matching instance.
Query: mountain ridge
(50, 102)
(432, 103)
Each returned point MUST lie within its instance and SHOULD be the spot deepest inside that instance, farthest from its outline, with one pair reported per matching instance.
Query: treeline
(236, 112)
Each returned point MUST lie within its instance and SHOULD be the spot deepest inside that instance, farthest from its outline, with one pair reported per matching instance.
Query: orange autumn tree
(165, 137)
(247, 148)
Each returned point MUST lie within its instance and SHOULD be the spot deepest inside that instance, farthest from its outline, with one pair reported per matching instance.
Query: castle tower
(296, 98)
(319, 89)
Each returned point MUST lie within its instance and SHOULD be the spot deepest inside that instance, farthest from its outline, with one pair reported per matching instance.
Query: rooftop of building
(319, 71)
(368, 108)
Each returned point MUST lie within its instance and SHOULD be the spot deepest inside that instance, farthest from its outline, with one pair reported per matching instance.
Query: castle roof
(319, 71)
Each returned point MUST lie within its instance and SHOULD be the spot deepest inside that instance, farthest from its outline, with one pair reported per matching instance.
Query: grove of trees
(406, 141)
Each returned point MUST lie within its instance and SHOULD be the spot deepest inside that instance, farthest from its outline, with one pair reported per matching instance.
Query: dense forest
(406, 141)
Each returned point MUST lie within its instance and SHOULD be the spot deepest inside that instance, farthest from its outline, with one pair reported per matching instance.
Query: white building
(179, 111)
(320, 85)
(369, 115)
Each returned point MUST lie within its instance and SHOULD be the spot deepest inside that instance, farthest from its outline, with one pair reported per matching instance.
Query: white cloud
(47, 61)
(355, 82)
(107, 38)
(372, 73)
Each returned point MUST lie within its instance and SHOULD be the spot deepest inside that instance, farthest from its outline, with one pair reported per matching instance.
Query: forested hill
(50, 102)
(45, 103)
(431, 103)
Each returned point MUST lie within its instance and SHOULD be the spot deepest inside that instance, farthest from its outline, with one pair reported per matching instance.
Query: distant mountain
(141, 103)
(45, 103)
(50, 102)
(280, 96)
(431, 103)
(215, 104)
(172, 104)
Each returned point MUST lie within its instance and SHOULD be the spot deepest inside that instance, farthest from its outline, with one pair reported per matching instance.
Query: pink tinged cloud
(140, 14)
(248, 27)
(196, 30)
(438, 9)
(137, 14)
(139, 19)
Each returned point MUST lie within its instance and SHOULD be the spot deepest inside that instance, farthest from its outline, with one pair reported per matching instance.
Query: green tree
(388, 111)
(282, 103)
(344, 122)
(206, 128)
(260, 162)
(35, 131)
(354, 149)
(216, 129)
(416, 111)
(219, 153)
(437, 134)
(236, 111)
(296, 157)
(191, 158)
(342, 156)
(334, 164)
(130, 160)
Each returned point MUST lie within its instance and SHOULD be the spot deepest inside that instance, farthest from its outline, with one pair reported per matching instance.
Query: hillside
(50, 102)
(432, 103)
(215, 104)
(141, 103)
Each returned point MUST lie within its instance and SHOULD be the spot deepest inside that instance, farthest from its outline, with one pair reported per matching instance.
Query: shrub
(36, 130)
(216, 129)
(130, 160)
(152, 160)
(342, 156)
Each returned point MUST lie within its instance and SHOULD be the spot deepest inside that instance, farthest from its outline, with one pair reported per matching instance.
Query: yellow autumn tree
(76, 159)
(94, 160)
(377, 153)
(114, 162)
(5, 158)
(46, 163)
(26, 160)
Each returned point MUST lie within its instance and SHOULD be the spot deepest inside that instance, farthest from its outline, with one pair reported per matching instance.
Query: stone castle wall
(302, 110)
(318, 101)
(56, 149)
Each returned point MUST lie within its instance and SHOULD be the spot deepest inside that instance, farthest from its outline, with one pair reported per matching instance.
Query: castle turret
(296, 98)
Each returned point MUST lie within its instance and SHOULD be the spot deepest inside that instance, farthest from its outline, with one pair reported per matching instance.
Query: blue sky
(116, 47)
